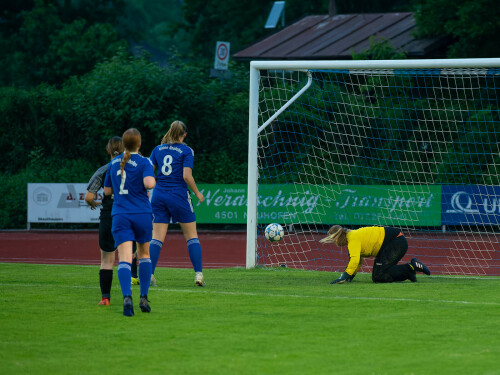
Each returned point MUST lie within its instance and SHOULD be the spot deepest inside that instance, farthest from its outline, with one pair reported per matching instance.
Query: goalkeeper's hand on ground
(344, 278)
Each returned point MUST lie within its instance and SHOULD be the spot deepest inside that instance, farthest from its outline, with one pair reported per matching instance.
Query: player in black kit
(106, 241)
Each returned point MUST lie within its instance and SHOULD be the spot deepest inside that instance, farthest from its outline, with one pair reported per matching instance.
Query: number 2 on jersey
(166, 168)
(122, 183)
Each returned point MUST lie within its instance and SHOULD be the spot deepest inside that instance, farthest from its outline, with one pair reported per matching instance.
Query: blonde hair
(175, 133)
(131, 142)
(115, 146)
(336, 234)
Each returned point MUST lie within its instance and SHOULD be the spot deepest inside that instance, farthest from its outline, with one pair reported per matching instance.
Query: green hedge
(59, 134)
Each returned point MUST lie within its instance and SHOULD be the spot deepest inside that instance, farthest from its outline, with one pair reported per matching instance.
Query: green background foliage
(47, 127)
(72, 78)
(360, 129)
(471, 26)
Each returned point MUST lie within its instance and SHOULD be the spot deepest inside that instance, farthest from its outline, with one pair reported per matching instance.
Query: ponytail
(131, 142)
(175, 133)
(115, 146)
(125, 159)
(336, 234)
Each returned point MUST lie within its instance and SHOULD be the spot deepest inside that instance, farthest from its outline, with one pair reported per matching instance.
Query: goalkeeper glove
(344, 278)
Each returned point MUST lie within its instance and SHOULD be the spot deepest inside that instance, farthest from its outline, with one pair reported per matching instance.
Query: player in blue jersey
(128, 178)
(171, 200)
(106, 242)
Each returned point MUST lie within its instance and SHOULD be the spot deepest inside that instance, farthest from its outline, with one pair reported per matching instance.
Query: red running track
(444, 253)
(221, 249)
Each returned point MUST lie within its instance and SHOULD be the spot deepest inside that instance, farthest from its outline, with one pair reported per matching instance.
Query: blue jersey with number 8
(171, 159)
(130, 195)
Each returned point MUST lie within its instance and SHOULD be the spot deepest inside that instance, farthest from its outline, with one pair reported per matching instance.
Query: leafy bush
(55, 134)
(13, 190)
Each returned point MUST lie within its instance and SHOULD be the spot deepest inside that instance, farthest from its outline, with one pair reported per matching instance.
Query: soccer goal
(413, 144)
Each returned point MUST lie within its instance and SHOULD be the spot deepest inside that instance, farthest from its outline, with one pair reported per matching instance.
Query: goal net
(412, 144)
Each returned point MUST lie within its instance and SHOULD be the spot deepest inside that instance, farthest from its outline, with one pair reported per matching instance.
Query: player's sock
(134, 267)
(194, 249)
(145, 275)
(125, 277)
(105, 280)
(154, 253)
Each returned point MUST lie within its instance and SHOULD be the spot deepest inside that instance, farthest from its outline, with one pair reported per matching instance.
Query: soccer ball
(274, 232)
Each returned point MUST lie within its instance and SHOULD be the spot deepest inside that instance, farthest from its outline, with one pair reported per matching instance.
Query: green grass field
(262, 321)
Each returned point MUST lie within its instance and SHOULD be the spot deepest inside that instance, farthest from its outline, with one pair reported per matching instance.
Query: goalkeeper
(386, 244)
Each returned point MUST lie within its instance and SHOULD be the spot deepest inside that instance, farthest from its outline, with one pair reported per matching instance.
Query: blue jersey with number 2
(171, 159)
(130, 195)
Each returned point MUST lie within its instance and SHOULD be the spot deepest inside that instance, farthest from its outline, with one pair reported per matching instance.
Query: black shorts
(106, 241)
(392, 252)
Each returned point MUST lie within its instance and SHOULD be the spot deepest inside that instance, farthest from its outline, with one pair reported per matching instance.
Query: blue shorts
(172, 207)
(132, 227)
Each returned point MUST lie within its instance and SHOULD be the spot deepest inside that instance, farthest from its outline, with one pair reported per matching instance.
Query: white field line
(330, 297)
(273, 295)
(223, 265)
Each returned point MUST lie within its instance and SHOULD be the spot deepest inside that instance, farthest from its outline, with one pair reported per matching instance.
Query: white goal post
(413, 144)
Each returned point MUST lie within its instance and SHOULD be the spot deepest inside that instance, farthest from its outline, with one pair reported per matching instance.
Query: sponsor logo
(42, 196)
(59, 202)
(392, 202)
(237, 198)
(69, 199)
(463, 202)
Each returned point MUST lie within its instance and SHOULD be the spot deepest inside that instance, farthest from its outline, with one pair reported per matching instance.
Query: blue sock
(144, 275)
(154, 253)
(125, 277)
(194, 249)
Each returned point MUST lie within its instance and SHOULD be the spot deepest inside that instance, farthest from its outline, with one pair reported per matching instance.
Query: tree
(380, 49)
(471, 25)
(38, 46)
(242, 23)
(152, 23)
(372, 6)
(238, 22)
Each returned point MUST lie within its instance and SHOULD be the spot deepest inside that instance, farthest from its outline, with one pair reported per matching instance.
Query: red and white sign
(221, 55)
(60, 203)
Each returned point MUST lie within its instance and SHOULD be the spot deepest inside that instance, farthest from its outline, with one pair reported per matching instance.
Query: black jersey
(97, 182)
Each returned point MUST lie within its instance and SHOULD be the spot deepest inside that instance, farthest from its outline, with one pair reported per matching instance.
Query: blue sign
(470, 204)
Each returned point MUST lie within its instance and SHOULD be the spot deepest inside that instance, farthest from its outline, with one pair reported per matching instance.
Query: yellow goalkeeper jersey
(363, 243)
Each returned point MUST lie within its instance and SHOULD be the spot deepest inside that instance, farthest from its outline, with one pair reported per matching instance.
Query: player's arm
(95, 183)
(108, 186)
(359, 266)
(355, 261)
(90, 199)
(148, 175)
(354, 247)
(187, 174)
(152, 159)
(149, 182)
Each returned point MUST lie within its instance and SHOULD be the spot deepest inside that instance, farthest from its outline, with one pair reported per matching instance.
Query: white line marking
(250, 294)
(328, 297)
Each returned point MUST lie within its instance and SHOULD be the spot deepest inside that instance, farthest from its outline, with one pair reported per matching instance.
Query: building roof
(325, 37)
